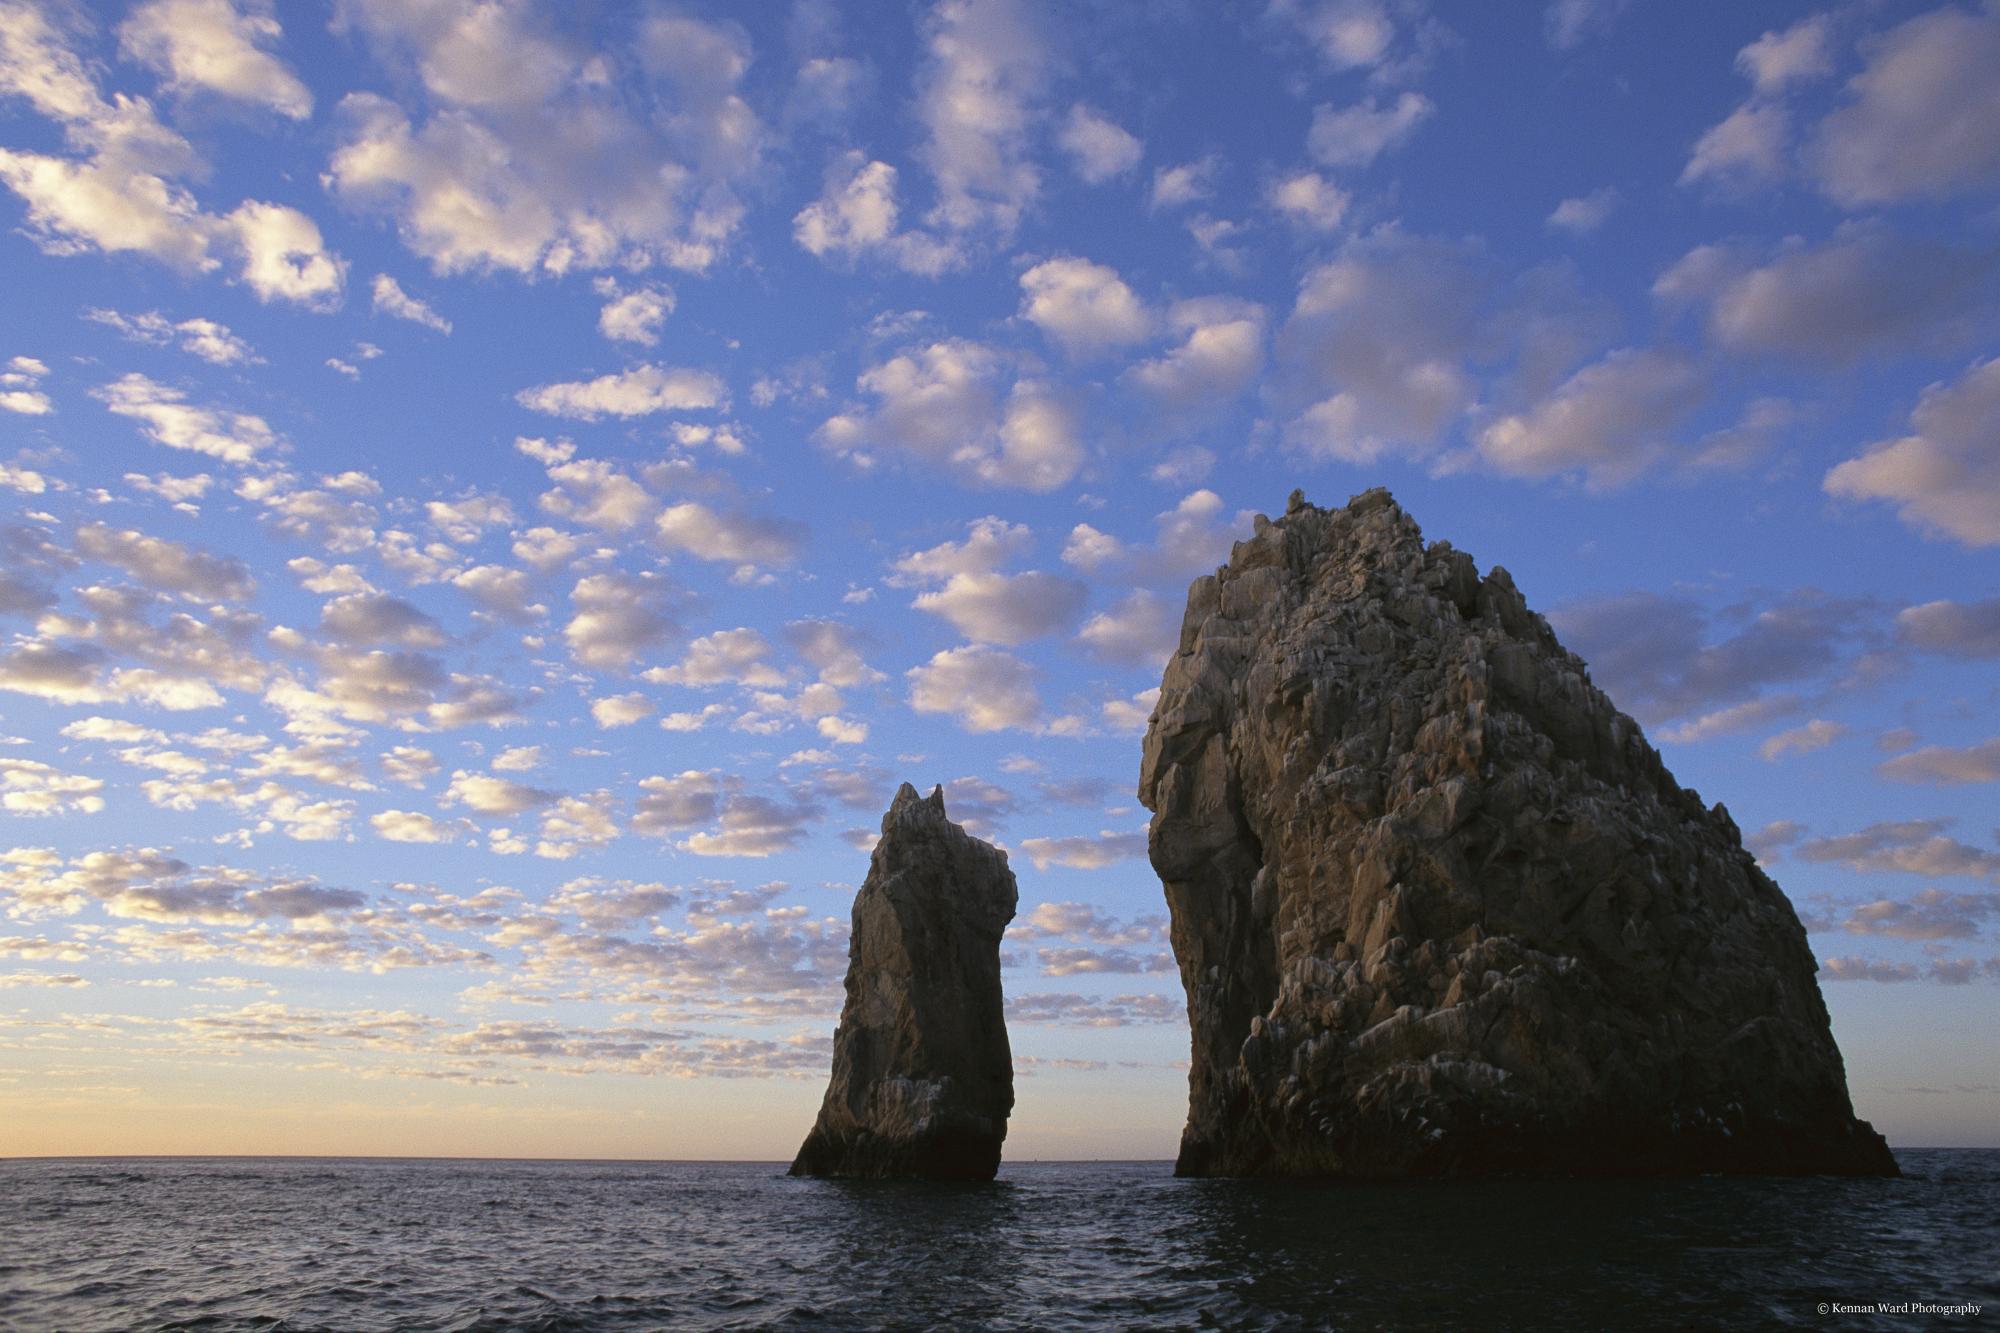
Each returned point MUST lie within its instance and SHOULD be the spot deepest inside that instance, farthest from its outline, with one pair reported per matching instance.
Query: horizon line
(656, 1161)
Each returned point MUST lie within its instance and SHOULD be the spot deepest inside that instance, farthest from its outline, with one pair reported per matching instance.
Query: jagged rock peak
(1437, 904)
(909, 806)
(923, 1078)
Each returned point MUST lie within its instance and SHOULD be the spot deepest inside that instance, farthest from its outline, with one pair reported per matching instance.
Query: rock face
(923, 1080)
(1438, 906)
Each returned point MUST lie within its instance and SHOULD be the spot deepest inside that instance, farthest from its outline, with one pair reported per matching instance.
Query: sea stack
(923, 1080)
(1439, 907)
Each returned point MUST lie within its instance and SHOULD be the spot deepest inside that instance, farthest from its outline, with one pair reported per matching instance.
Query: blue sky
(497, 501)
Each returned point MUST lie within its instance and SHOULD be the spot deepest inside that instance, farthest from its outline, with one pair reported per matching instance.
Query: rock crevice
(923, 1079)
(1438, 905)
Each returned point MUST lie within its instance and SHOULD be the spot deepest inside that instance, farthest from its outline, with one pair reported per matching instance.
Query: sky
(498, 495)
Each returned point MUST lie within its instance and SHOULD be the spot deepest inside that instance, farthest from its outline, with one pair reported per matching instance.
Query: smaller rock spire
(923, 1078)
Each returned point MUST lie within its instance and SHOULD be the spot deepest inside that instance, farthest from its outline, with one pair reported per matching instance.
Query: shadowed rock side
(1438, 906)
(923, 1079)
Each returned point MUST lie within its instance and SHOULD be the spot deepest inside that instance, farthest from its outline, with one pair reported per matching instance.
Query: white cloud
(1608, 420)
(180, 492)
(490, 795)
(725, 657)
(620, 710)
(989, 543)
(205, 338)
(546, 548)
(74, 206)
(618, 617)
(218, 47)
(1083, 853)
(737, 539)
(855, 215)
(726, 438)
(1348, 34)
(120, 195)
(166, 416)
(942, 404)
(1944, 476)
(19, 392)
(590, 491)
(856, 211)
(1089, 550)
(1749, 145)
(1910, 846)
(629, 393)
(1800, 53)
(332, 515)
(754, 826)
(1084, 307)
(833, 649)
(1864, 289)
(983, 688)
(1730, 721)
(1099, 149)
(1219, 358)
(1070, 1009)
(978, 97)
(576, 824)
(465, 519)
(1194, 536)
(1959, 629)
(1355, 136)
(1814, 735)
(1585, 213)
(410, 765)
(391, 299)
(1737, 446)
(1664, 657)
(828, 88)
(842, 731)
(525, 164)
(1072, 920)
(1922, 118)
(1567, 23)
(1946, 765)
(1141, 630)
(546, 452)
(635, 316)
(459, 206)
(366, 618)
(1378, 344)
(1187, 183)
(166, 565)
(411, 826)
(501, 592)
(1310, 200)
(113, 730)
(673, 805)
(1006, 608)
(284, 257)
(1216, 237)
(28, 787)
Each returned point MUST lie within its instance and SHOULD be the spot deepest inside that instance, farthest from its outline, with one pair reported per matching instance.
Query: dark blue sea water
(465, 1245)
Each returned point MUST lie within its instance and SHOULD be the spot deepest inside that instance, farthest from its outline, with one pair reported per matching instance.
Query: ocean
(352, 1245)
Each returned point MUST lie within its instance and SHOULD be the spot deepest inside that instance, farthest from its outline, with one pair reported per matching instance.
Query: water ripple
(476, 1247)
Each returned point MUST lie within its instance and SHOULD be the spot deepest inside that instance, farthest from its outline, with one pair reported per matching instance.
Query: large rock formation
(923, 1079)
(1439, 907)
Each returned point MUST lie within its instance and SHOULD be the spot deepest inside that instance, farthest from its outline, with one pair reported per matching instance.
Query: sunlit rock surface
(1438, 906)
(923, 1080)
